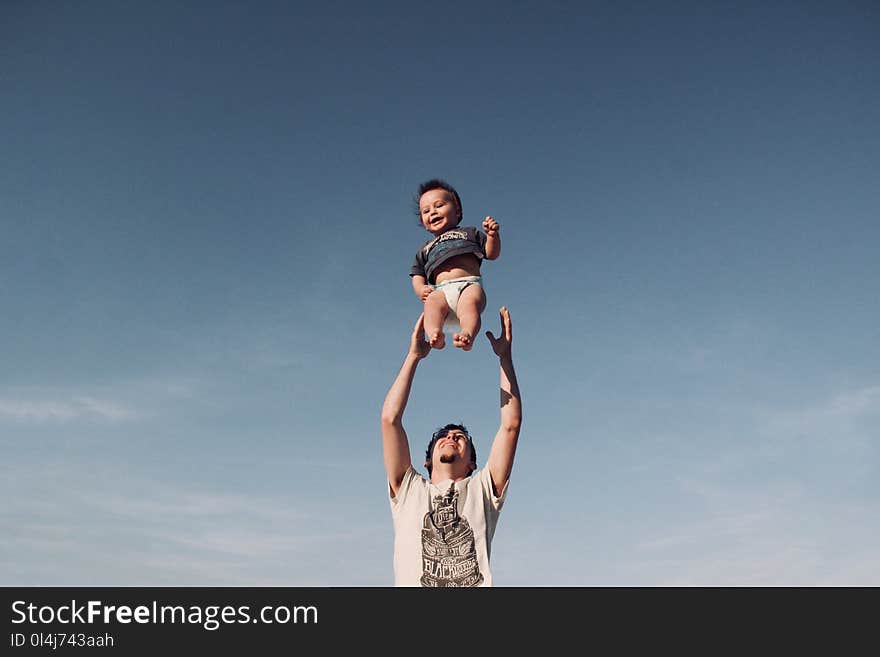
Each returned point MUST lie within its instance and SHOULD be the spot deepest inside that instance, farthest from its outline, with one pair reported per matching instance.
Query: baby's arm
(493, 239)
(421, 287)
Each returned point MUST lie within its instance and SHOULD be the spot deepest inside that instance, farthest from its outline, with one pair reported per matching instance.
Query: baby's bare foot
(463, 341)
(438, 339)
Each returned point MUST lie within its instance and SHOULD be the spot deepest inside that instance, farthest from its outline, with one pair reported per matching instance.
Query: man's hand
(425, 292)
(418, 347)
(500, 345)
(490, 227)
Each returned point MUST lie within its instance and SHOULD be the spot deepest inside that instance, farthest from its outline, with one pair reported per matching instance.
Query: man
(443, 528)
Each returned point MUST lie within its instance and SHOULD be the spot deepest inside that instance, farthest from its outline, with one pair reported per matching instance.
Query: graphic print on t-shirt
(451, 242)
(449, 555)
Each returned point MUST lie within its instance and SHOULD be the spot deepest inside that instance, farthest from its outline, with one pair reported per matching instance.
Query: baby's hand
(424, 292)
(490, 226)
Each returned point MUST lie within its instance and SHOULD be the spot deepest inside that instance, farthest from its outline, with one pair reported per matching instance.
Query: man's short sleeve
(495, 502)
(396, 500)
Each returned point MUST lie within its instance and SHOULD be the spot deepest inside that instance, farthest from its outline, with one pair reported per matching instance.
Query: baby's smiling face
(438, 211)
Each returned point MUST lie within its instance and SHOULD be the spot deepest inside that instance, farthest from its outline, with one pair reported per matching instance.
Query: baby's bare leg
(471, 304)
(436, 310)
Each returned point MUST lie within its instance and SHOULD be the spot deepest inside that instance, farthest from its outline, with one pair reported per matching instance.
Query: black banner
(139, 620)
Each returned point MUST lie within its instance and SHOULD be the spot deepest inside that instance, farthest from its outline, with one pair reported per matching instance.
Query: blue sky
(207, 229)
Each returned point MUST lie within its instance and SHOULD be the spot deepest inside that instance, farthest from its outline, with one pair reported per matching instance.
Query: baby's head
(438, 206)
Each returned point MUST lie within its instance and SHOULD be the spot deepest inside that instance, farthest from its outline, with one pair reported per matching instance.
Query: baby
(446, 271)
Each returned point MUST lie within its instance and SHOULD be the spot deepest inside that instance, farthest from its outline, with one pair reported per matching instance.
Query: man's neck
(442, 474)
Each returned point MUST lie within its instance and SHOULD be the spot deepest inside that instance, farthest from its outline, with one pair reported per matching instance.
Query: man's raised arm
(394, 442)
(504, 446)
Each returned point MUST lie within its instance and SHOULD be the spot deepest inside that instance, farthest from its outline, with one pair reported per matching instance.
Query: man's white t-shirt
(443, 533)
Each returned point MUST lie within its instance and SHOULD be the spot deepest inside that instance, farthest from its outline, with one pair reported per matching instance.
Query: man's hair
(441, 433)
(436, 183)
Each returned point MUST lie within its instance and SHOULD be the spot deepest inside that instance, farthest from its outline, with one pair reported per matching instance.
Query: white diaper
(452, 290)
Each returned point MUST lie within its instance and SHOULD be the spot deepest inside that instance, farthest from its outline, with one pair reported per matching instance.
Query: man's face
(438, 211)
(454, 446)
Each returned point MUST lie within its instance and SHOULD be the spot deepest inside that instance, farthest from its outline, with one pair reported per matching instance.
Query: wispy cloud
(765, 541)
(788, 498)
(126, 401)
(841, 413)
(128, 530)
(55, 411)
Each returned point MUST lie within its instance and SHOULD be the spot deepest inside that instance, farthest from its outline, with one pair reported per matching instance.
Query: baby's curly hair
(435, 183)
